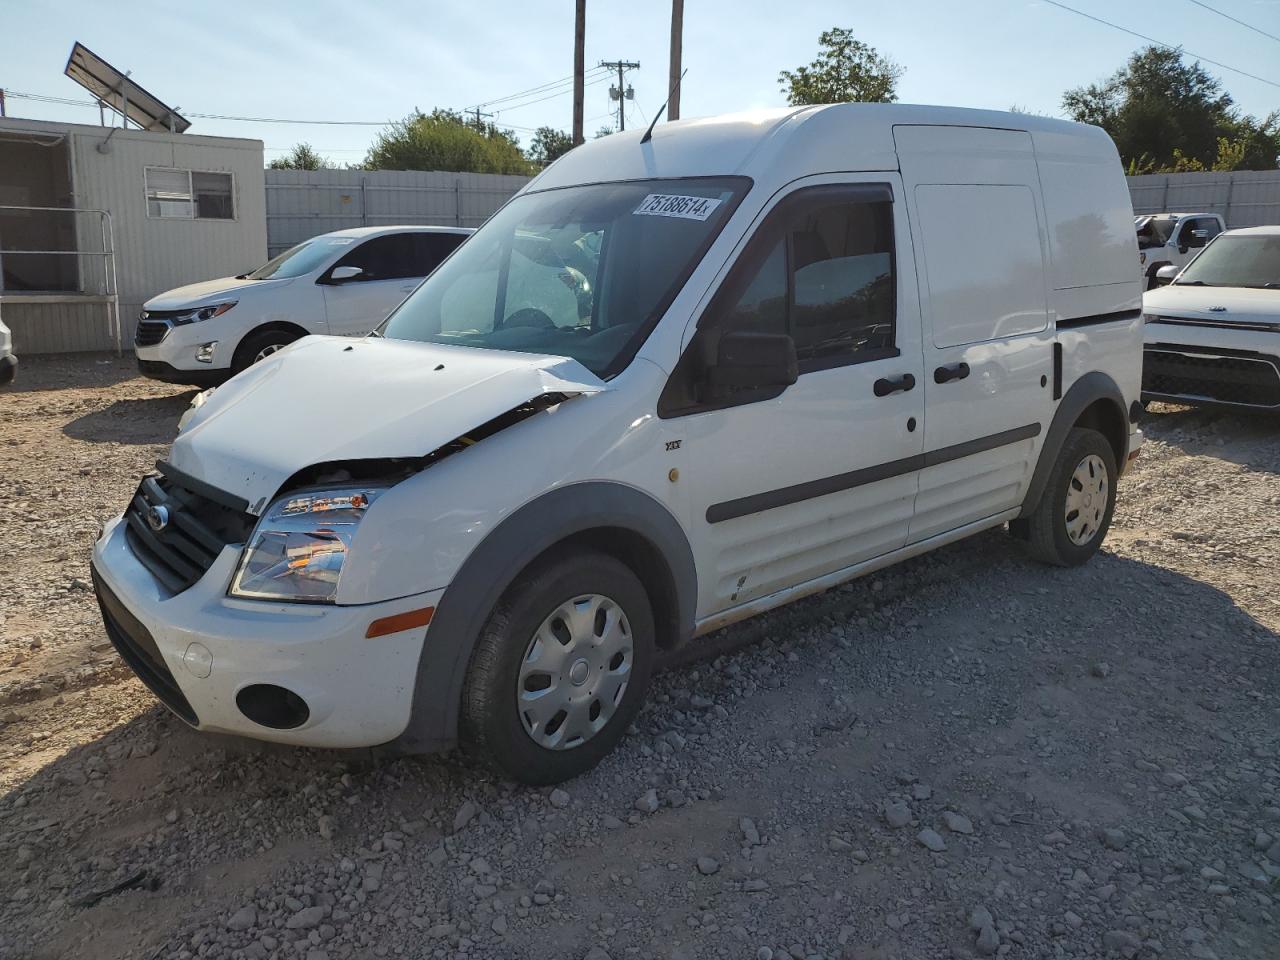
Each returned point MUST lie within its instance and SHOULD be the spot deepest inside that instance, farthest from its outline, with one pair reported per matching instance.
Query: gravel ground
(967, 755)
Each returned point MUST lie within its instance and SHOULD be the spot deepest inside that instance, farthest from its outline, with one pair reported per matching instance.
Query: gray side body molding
(499, 559)
(1086, 391)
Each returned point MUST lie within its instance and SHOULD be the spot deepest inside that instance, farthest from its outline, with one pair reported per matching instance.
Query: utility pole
(673, 74)
(618, 93)
(579, 67)
(478, 115)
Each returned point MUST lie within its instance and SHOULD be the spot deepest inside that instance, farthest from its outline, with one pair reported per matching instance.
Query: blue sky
(376, 60)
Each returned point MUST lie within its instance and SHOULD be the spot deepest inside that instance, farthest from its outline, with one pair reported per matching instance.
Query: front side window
(393, 257)
(1236, 260)
(582, 272)
(174, 194)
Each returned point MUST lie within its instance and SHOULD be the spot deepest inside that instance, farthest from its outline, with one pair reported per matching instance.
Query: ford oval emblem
(158, 518)
(1217, 309)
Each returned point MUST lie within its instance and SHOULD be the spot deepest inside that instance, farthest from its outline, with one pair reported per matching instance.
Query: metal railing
(105, 280)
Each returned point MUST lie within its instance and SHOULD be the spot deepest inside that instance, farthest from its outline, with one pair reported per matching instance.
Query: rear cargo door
(977, 222)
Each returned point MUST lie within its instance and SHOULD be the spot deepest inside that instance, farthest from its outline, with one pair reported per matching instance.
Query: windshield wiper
(1194, 283)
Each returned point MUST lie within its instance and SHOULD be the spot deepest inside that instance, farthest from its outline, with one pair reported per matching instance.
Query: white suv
(8, 362)
(673, 383)
(1173, 240)
(342, 283)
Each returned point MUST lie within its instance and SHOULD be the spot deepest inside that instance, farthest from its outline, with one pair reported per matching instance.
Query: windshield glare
(1153, 232)
(302, 259)
(1236, 261)
(582, 272)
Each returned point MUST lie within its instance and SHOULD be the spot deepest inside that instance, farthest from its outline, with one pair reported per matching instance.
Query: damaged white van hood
(324, 399)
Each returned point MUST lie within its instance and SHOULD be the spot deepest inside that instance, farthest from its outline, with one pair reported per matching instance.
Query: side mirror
(1198, 238)
(1165, 275)
(752, 361)
(344, 274)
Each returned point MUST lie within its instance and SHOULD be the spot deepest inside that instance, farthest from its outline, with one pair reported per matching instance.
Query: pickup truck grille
(1244, 380)
(177, 526)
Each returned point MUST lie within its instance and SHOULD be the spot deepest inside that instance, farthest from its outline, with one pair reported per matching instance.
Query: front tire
(1074, 513)
(560, 668)
(259, 345)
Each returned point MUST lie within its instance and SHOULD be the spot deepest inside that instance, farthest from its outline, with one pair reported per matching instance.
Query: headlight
(203, 313)
(298, 549)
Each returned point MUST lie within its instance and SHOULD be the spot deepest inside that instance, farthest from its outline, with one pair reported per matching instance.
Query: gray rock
(243, 919)
(897, 814)
(749, 832)
(708, 866)
(647, 802)
(1121, 941)
(836, 845)
(466, 813)
(1114, 839)
(980, 917)
(755, 886)
(988, 941)
(559, 799)
(499, 926)
(956, 822)
(1273, 852)
(1101, 669)
(598, 953)
(306, 918)
(764, 953)
(932, 839)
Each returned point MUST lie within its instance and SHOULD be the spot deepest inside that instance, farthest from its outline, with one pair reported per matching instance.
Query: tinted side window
(429, 249)
(762, 306)
(384, 258)
(1210, 226)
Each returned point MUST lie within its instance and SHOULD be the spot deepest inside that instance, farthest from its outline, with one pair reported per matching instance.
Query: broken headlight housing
(298, 549)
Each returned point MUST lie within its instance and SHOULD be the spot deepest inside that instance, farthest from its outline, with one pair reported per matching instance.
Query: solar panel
(120, 93)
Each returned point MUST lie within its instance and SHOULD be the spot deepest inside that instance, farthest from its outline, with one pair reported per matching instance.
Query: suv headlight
(298, 549)
(203, 313)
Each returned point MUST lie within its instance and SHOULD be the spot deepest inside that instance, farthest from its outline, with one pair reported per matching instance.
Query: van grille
(177, 531)
(1240, 380)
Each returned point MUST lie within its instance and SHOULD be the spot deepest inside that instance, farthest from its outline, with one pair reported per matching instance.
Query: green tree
(1166, 114)
(846, 70)
(604, 132)
(445, 140)
(549, 145)
(302, 157)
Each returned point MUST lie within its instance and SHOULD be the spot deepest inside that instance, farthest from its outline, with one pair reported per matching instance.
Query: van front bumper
(199, 650)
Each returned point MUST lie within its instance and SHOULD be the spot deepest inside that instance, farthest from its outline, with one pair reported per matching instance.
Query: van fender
(1086, 391)
(496, 562)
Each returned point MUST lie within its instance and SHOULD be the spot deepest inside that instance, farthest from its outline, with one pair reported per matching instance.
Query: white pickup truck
(1173, 239)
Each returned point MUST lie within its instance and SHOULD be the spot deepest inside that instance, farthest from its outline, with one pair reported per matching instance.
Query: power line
(564, 81)
(1160, 43)
(591, 83)
(1248, 26)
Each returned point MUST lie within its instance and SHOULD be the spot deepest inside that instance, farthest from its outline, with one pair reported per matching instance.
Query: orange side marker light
(399, 622)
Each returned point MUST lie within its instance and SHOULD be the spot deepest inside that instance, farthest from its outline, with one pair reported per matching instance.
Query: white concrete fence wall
(304, 203)
(1247, 198)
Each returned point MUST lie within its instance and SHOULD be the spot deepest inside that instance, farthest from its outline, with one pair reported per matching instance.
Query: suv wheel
(1073, 515)
(259, 345)
(560, 668)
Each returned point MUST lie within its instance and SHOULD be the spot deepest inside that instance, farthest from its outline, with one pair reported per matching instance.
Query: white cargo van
(671, 384)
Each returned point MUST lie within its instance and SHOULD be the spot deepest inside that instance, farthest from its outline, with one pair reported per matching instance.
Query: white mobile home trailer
(94, 220)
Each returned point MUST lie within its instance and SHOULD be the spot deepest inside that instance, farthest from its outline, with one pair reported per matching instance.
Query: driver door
(388, 274)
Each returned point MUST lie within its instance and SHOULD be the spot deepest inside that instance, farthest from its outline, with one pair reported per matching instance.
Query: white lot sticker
(673, 205)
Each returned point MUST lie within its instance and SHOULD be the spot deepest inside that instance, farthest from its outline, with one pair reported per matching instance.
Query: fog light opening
(204, 352)
(270, 706)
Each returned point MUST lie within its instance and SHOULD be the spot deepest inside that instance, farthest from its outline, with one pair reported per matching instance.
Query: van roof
(361, 232)
(790, 142)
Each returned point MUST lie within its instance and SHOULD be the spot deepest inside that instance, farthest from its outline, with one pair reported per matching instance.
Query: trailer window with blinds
(174, 194)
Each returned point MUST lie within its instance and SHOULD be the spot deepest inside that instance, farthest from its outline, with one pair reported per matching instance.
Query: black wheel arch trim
(1082, 394)
(529, 532)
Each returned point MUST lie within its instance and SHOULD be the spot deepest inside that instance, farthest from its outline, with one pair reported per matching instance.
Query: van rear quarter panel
(1094, 267)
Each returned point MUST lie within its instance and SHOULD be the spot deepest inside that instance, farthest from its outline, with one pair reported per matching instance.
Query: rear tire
(260, 344)
(560, 668)
(1074, 513)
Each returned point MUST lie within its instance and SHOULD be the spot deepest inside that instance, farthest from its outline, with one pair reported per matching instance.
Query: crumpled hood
(323, 399)
(1243, 304)
(205, 292)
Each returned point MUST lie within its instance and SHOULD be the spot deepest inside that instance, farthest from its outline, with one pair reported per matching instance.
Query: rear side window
(429, 249)
(826, 278)
(983, 261)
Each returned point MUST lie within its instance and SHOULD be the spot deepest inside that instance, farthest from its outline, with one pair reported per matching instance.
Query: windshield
(305, 257)
(1236, 261)
(1153, 232)
(582, 272)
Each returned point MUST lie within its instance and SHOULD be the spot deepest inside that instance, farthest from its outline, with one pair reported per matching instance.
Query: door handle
(883, 387)
(954, 371)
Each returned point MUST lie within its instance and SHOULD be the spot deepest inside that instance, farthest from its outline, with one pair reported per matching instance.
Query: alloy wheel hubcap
(267, 351)
(1086, 500)
(575, 672)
